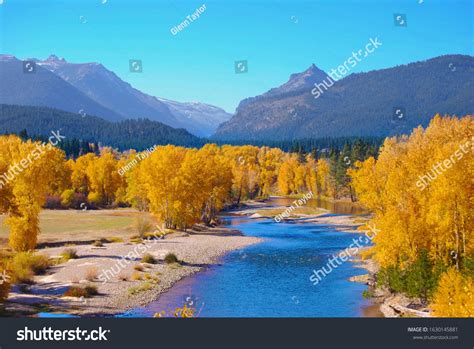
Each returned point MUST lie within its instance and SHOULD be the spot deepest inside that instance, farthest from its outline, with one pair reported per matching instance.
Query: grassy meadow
(69, 226)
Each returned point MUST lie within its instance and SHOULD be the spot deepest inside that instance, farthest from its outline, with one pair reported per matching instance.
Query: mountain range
(90, 88)
(377, 103)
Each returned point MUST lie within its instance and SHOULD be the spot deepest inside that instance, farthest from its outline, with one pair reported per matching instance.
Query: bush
(138, 267)
(142, 226)
(94, 198)
(67, 197)
(114, 239)
(367, 294)
(91, 290)
(24, 265)
(76, 291)
(98, 243)
(148, 258)
(136, 276)
(123, 277)
(136, 290)
(421, 278)
(86, 292)
(5, 278)
(52, 202)
(91, 273)
(69, 253)
(171, 258)
(418, 280)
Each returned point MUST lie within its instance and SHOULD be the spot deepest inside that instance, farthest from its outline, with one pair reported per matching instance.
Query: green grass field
(73, 225)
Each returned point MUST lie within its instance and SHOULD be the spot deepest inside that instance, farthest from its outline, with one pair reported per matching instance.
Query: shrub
(114, 239)
(367, 294)
(136, 276)
(142, 226)
(136, 290)
(91, 290)
(24, 265)
(5, 278)
(98, 243)
(148, 258)
(69, 253)
(67, 197)
(91, 273)
(138, 267)
(151, 278)
(76, 291)
(94, 198)
(171, 258)
(52, 202)
(123, 277)
(419, 279)
(136, 239)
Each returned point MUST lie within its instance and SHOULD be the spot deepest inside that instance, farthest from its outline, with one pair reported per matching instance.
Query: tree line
(425, 246)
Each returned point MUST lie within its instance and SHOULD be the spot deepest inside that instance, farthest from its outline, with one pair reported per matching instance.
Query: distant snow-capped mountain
(105, 88)
(203, 118)
(43, 88)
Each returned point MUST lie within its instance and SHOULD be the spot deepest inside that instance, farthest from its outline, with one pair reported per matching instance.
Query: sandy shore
(195, 249)
(344, 223)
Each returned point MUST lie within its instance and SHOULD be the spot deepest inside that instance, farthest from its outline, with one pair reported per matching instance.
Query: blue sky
(277, 38)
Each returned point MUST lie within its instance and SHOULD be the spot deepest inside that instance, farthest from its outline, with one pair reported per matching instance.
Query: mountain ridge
(360, 104)
(122, 101)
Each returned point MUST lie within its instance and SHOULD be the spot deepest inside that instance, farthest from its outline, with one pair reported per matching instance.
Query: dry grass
(304, 210)
(71, 225)
(91, 274)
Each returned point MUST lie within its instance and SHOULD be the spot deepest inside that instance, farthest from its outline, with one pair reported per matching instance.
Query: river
(271, 279)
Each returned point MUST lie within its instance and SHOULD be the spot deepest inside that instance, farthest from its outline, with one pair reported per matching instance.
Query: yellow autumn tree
(421, 192)
(28, 170)
(103, 178)
(454, 296)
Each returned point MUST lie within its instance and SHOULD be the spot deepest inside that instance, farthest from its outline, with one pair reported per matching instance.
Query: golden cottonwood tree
(454, 296)
(103, 178)
(421, 192)
(32, 170)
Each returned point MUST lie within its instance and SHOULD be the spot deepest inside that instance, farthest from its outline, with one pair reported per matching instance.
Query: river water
(271, 279)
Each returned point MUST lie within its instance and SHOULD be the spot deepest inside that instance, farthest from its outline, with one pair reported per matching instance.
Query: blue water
(271, 279)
